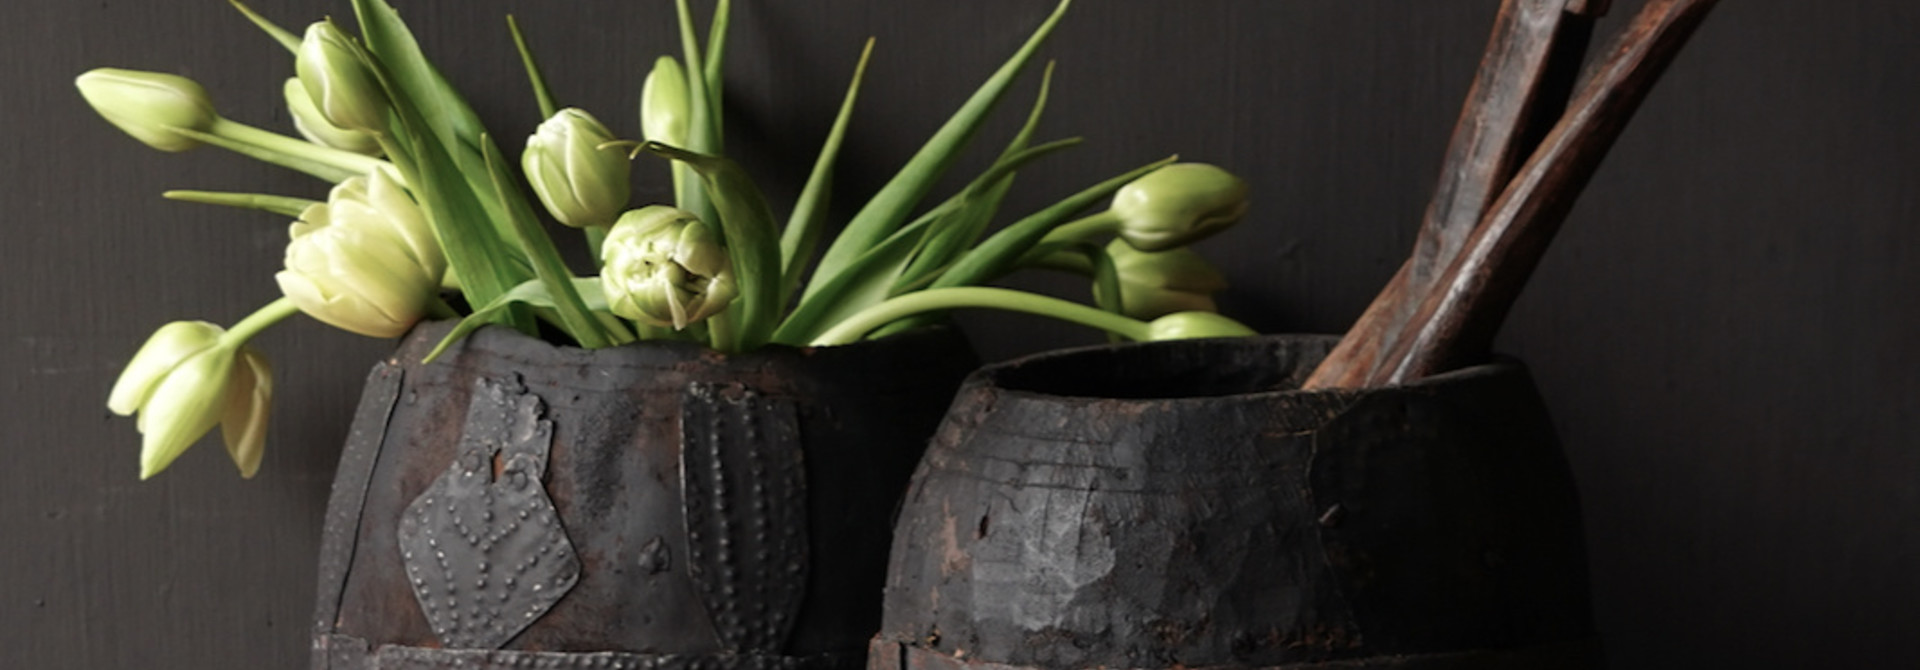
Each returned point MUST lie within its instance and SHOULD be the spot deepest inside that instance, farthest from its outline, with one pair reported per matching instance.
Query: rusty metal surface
(1575, 655)
(419, 658)
(861, 415)
(339, 535)
(1180, 505)
(746, 492)
(485, 552)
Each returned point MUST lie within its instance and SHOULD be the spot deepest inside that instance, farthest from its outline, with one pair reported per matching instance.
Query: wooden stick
(1531, 62)
(1460, 313)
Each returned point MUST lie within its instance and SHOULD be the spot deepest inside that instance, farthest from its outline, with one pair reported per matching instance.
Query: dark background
(1724, 329)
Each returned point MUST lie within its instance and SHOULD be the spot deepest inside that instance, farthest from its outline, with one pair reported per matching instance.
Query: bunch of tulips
(428, 219)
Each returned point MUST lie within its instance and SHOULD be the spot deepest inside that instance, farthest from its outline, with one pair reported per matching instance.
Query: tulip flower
(664, 267)
(581, 184)
(186, 379)
(1192, 325)
(663, 103)
(1170, 207)
(150, 106)
(334, 69)
(317, 129)
(1158, 283)
(365, 261)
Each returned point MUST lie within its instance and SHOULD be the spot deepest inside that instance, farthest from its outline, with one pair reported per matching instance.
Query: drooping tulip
(185, 380)
(1157, 283)
(1177, 205)
(150, 106)
(335, 71)
(317, 129)
(580, 183)
(364, 261)
(1192, 325)
(665, 267)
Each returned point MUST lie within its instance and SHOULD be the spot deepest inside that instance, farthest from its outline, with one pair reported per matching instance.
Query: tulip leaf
(539, 82)
(802, 235)
(747, 228)
(277, 204)
(1003, 250)
(701, 137)
(282, 35)
(890, 206)
(533, 292)
(547, 264)
(486, 266)
(949, 242)
(330, 173)
(716, 59)
(872, 277)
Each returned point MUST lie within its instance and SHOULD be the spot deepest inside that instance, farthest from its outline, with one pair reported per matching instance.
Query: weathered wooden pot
(1177, 505)
(657, 506)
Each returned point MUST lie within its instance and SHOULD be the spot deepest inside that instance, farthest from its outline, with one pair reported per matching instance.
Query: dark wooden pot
(658, 506)
(1178, 505)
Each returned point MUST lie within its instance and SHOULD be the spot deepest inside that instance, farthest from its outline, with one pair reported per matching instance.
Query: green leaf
(809, 218)
(746, 225)
(486, 266)
(531, 292)
(872, 277)
(540, 91)
(891, 205)
(701, 137)
(949, 242)
(1003, 250)
(716, 59)
(278, 204)
(282, 35)
(324, 171)
(547, 264)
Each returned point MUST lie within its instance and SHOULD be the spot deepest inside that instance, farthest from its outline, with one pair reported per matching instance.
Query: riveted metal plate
(744, 484)
(484, 549)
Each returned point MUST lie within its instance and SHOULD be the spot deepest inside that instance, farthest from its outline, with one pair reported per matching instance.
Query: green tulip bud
(664, 106)
(580, 183)
(314, 126)
(664, 267)
(1177, 205)
(1192, 325)
(149, 105)
(1158, 283)
(182, 383)
(336, 73)
(364, 261)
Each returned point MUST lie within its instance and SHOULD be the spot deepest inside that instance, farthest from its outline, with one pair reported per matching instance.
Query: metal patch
(744, 485)
(348, 500)
(484, 549)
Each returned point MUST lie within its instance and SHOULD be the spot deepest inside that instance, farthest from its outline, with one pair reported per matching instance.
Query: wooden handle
(1531, 62)
(1461, 311)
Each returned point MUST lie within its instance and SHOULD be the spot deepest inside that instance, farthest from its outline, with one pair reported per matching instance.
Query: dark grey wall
(1725, 329)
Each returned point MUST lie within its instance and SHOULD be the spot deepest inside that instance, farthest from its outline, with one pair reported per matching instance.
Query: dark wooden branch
(1532, 60)
(1460, 313)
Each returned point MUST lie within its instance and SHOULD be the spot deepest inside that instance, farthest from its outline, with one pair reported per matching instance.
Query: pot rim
(994, 375)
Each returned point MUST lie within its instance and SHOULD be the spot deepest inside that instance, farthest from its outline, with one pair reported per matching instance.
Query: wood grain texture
(1724, 330)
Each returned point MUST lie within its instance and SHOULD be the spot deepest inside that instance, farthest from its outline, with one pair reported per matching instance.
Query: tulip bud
(664, 106)
(1177, 205)
(1158, 283)
(335, 71)
(664, 267)
(364, 261)
(149, 105)
(1191, 325)
(314, 126)
(581, 184)
(182, 383)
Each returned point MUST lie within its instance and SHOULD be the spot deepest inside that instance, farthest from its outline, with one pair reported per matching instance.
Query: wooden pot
(520, 505)
(1177, 505)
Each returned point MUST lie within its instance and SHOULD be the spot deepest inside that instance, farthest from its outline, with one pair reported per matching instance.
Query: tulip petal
(164, 350)
(243, 424)
(183, 407)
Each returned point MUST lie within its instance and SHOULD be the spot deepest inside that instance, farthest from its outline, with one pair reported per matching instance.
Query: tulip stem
(282, 144)
(274, 312)
(941, 299)
(1084, 229)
